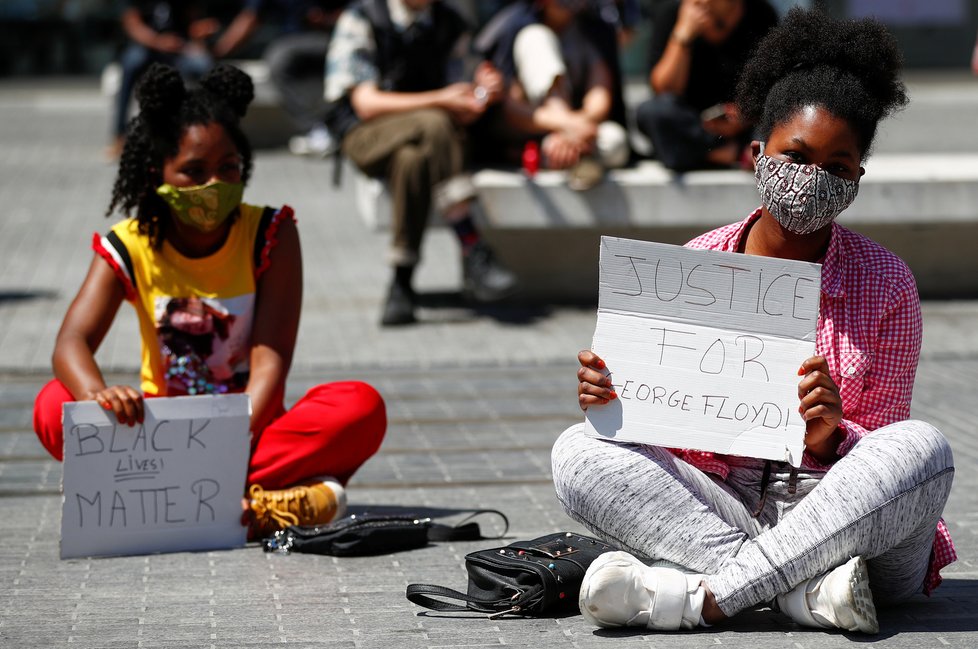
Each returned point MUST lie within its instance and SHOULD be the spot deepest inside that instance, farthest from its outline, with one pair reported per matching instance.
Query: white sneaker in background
(317, 142)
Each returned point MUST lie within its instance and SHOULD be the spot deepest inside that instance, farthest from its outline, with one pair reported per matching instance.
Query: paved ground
(475, 399)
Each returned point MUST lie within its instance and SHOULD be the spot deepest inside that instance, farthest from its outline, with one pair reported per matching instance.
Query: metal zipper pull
(499, 614)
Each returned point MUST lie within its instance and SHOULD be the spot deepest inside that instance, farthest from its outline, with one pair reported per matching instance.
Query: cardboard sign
(171, 484)
(703, 348)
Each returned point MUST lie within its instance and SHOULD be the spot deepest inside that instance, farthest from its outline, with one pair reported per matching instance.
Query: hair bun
(160, 91)
(231, 85)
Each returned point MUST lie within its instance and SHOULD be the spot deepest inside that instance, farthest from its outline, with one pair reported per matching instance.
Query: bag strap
(464, 530)
(419, 594)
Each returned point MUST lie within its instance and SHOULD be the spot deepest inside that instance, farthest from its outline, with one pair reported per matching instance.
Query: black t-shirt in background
(715, 69)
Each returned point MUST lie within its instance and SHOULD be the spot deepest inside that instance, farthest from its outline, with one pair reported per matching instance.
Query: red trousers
(330, 431)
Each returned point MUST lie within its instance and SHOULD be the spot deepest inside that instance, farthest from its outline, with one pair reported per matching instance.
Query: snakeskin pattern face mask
(803, 198)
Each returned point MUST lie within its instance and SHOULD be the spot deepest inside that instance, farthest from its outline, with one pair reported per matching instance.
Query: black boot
(485, 279)
(399, 308)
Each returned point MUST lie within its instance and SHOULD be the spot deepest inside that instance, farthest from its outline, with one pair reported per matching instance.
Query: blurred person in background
(297, 67)
(296, 57)
(611, 26)
(180, 33)
(699, 48)
(560, 90)
(399, 103)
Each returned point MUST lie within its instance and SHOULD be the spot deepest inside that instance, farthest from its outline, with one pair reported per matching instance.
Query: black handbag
(537, 578)
(371, 534)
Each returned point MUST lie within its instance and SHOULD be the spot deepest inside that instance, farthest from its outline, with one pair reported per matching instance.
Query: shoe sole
(861, 598)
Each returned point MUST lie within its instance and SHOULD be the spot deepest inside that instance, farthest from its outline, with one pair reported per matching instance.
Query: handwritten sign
(703, 348)
(171, 484)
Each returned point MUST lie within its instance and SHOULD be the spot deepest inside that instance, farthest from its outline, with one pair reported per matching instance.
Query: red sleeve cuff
(271, 238)
(852, 433)
(122, 274)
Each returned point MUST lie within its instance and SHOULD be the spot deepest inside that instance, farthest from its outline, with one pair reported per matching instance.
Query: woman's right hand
(594, 384)
(124, 401)
(693, 19)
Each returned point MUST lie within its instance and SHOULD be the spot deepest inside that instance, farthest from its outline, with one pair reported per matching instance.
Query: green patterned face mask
(205, 207)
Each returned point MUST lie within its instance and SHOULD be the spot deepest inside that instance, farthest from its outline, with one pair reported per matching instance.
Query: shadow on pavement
(509, 312)
(950, 610)
(26, 296)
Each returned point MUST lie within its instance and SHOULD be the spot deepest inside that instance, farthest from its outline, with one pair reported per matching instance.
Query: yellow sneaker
(314, 502)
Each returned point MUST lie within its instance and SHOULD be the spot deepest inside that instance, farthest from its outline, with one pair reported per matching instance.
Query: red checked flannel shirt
(869, 331)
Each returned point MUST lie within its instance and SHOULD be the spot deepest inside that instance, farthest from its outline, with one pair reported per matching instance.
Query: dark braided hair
(851, 68)
(167, 109)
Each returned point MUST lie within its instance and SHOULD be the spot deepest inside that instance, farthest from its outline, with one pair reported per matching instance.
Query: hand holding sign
(124, 401)
(702, 351)
(595, 388)
(821, 408)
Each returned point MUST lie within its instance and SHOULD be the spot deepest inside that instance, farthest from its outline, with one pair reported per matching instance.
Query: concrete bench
(924, 207)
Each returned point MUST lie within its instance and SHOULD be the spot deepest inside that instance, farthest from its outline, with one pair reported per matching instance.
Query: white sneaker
(619, 590)
(317, 142)
(839, 599)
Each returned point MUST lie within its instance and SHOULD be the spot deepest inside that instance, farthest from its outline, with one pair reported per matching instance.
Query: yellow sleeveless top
(195, 315)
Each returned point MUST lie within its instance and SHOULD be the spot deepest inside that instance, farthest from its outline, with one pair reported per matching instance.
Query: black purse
(367, 534)
(536, 578)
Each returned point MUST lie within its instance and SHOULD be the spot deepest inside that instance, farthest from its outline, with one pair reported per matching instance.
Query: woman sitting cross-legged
(859, 523)
(217, 286)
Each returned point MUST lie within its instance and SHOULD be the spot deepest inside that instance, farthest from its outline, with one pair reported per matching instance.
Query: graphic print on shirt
(204, 343)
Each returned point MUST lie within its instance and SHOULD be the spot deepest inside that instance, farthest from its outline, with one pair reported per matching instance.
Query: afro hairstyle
(851, 68)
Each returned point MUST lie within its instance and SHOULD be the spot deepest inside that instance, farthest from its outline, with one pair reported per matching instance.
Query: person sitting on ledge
(560, 94)
(699, 48)
(399, 104)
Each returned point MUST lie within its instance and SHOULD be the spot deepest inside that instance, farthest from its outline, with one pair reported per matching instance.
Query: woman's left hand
(821, 407)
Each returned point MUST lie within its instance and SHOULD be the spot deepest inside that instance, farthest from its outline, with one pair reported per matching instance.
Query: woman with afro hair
(217, 287)
(859, 523)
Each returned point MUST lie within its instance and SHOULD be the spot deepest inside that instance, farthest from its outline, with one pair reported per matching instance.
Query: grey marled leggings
(882, 501)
